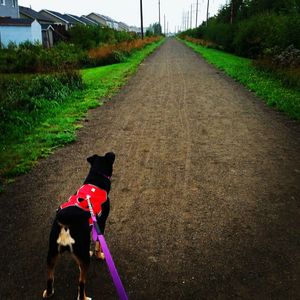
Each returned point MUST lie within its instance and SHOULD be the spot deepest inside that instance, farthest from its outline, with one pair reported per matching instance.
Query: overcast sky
(128, 11)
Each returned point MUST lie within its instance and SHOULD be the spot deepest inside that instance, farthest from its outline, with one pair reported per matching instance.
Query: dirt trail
(205, 199)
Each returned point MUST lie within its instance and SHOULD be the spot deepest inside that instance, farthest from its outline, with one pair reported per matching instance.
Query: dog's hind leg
(50, 276)
(83, 267)
(51, 259)
(82, 278)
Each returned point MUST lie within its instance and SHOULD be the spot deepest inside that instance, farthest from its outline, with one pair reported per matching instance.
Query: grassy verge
(56, 125)
(267, 87)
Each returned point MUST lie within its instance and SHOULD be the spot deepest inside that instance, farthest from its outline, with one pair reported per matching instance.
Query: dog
(71, 229)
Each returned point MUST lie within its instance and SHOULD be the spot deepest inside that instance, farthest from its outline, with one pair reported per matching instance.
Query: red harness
(98, 197)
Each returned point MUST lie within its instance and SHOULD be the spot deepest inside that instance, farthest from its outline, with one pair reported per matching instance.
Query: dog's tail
(65, 239)
(72, 228)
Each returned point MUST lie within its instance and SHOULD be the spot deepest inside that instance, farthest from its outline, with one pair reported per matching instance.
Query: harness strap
(97, 235)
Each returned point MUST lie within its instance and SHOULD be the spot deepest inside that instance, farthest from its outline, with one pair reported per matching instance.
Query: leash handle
(97, 235)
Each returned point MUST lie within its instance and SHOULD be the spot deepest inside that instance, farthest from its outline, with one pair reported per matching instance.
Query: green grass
(55, 124)
(267, 87)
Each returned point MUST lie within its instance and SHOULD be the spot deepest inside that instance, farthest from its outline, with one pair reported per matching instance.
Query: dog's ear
(91, 159)
(110, 157)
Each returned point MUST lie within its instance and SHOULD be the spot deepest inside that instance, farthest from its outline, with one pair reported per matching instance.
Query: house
(104, 20)
(123, 26)
(97, 18)
(111, 22)
(135, 29)
(19, 30)
(29, 13)
(57, 18)
(9, 8)
(47, 29)
(48, 34)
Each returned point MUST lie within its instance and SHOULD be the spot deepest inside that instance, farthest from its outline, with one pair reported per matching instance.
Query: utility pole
(188, 20)
(164, 24)
(159, 16)
(233, 11)
(167, 27)
(191, 14)
(207, 12)
(142, 27)
(196, 13)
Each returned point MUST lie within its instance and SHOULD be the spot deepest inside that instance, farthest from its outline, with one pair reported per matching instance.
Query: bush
(24, 92)
(283, 64)
(29, 58)
(265, 31)
(89, 37)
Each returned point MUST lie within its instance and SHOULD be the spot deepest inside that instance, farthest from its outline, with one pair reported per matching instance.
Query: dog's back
(70, 231)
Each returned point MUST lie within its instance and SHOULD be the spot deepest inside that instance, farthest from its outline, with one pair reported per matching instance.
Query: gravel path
(205, 199)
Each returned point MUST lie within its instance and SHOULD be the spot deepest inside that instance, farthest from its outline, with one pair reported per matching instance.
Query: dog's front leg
(98, 251)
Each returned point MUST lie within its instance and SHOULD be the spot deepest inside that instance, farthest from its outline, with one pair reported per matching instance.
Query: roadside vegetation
(45, 92)
(267, 34)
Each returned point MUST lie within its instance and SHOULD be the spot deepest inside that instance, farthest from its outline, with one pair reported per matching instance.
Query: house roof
(56, 15)
(88, 20)
(47, 27)
(106, 18)
(30, 13)
(75, 19)
(123, 24)
(70, 19)
(6, 21)
(109, 19)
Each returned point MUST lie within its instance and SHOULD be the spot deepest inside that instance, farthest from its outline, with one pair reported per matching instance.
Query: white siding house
(19, 31)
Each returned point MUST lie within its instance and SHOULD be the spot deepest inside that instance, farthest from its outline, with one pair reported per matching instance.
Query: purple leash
(97, 235)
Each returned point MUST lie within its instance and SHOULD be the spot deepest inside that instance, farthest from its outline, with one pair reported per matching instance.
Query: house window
(14, 3)
(2, 2)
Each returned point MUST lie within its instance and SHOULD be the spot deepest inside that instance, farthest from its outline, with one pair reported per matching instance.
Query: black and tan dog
(72, 224)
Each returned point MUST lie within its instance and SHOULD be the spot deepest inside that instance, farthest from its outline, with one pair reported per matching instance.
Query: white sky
(128, 11)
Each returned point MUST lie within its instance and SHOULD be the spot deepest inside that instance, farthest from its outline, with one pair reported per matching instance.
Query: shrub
(88, 37)
(29, 58)
(24, 92)
(283, 64)
(265, 31)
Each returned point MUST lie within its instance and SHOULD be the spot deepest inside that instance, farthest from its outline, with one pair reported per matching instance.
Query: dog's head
(102, 164)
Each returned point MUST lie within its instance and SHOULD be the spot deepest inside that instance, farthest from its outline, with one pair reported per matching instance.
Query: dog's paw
(99, 255)
(85, 298)
(46, 295)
